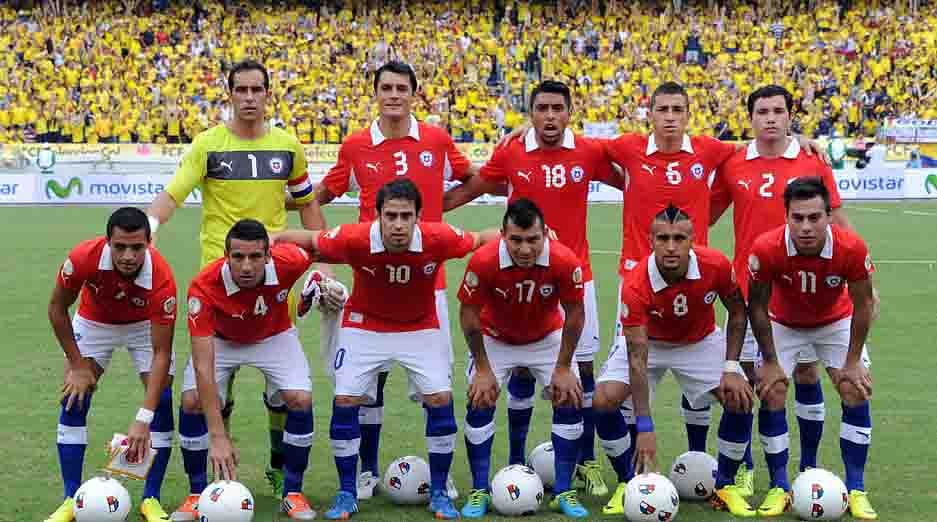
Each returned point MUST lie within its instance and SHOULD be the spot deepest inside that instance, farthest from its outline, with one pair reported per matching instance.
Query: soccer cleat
(367, 483)
(776, 503)
(477, 504)
(745, 481)
(275, 479)
(568, 504)
(343, 507)
(451, 491)
(441, 506)
(187, 512)
(590, 473)
(616, 504)
(731, 499)
(297, 507)
(860, 507)
(151, 511)
(65, 512)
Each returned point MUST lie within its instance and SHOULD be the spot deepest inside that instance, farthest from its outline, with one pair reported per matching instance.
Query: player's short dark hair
(247, 230)
(524, 213)
(672, 215)
(128, 219)
(670, 88)
(402, 188)
(808, 187)
(552, 87)
(770, 91)
(248, 65)
(396, 67)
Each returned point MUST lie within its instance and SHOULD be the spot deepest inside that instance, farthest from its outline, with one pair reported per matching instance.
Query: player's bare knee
(436, 400)
(776, 397)
(850, 394)
(348, 401)
(605, 400)
(190, 402)
(297, 400)
(806, 373)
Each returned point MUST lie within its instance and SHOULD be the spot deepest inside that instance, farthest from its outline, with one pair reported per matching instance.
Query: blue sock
(345, 434)
(297, 439)
(808, 404)
(615, 439)
(854, 439)
(567, 429)
(749, 462)
(697, 425)
(520, 409)
(276, 419)
(772, 426)
(440, 441)
(735, 435)
(161, 430)
(370, 418)
(193, 441)
(71, 440)
(479, 434)
(587, 441)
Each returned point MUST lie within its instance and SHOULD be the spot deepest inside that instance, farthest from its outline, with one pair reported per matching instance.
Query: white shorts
(618, 338)
(279, 358)
(828, 344)
(363, 354)
(98, 341)
(589, 341)
(697, 367)
(750, 352)
(539, 357)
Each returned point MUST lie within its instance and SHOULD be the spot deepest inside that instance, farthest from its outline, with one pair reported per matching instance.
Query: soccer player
(552, 167)
(511, 297)
(391, 317)
(239, 316)
(245, 168)
(126, 297)
(396, 145)
(668, 323)
(811, 287)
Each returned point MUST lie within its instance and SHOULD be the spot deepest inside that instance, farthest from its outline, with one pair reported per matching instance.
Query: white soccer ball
(694, 475)
(541, 461)
(516, 490)
(407, 481)
(226, 501)
(819, 495)
(102, 499)
(651, 497)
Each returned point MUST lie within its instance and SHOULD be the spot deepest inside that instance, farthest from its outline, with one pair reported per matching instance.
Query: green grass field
(899, 477)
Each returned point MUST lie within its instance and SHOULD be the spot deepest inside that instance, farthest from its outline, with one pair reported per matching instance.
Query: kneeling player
(668, 322)
(511, 318)
(239, 316)
(127, 298)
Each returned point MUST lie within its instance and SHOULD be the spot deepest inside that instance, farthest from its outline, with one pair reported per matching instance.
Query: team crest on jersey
(577, 275)
(697, 170)
(169, 305)
(138, 302)
(710, 297)
(577, 173)
(753, 264)
(429, 268)
(546, 290)
(426, 158)
(276, 165)
(282, 294)
(68, 268)
(471, 279)
(194, 305)
(833, 281)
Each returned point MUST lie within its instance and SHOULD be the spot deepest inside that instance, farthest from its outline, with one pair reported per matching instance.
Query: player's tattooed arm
(483, 390)
(467, 191)
(736, 324)
(759, 294)
(636, 337)
(736, 393)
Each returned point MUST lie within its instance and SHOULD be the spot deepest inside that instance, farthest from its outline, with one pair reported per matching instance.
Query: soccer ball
(516, 490)
(407, 481)
(819, 495)
(541, 461)
(102, 499)
(650, 497)
(226, 501)
(694, 475)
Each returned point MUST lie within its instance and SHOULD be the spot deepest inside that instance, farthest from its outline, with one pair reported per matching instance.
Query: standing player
(553, 168)
(245, 168)
(391, 317)
(811, 288)
(239, 316)
(395, 145)
(127, 297)
(511, 297)
(668, 322)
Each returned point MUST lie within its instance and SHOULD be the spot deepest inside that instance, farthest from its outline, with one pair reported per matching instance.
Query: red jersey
(809, 291)
(557, 180)
(393, 292)
(755, 185)
(219, 307)
(521, 305)
(108, 297)
(682, 313)
(655, 180)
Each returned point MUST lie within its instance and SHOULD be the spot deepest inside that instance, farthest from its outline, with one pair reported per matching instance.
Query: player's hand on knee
(483, 391)
(138, 440)
(736, 393)
(645, 453)
(769, 376)
(80, 380)
(855, 379)
(223, 457)
(566, 388)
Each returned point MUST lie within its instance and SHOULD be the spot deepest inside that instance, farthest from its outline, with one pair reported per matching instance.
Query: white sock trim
(733, 450)
(698, 418)
(568, 431)
(855, 434)
(777, 443)
(480, 434)
(345, 448)
(161, 439)
(300, 440)
(615, 448)
(199, 443)
(368, 415)
(515, 403)
(441, 444)
(587, 400)
(72, 435)
(811, 412)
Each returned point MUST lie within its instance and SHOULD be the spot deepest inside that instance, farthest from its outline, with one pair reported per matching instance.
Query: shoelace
(476, 498)
(570, 498)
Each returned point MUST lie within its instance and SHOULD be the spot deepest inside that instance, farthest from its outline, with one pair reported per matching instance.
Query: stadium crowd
(95, 73)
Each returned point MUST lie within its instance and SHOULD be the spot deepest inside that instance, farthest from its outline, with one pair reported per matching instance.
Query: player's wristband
(732, 367)
(154, 224)
(644, 424)
(145, 416)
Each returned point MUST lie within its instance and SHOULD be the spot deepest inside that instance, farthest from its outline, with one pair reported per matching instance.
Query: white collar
(377, 241)
(505, 261)
(231, 288)
(530, 140)
(791, 152)
(686, 146)
(657, 280)
(377, 137)
(826, 253)
(144, 278)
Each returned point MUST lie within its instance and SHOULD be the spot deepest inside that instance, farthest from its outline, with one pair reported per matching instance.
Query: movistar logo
(931, 183)
(53, 187)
